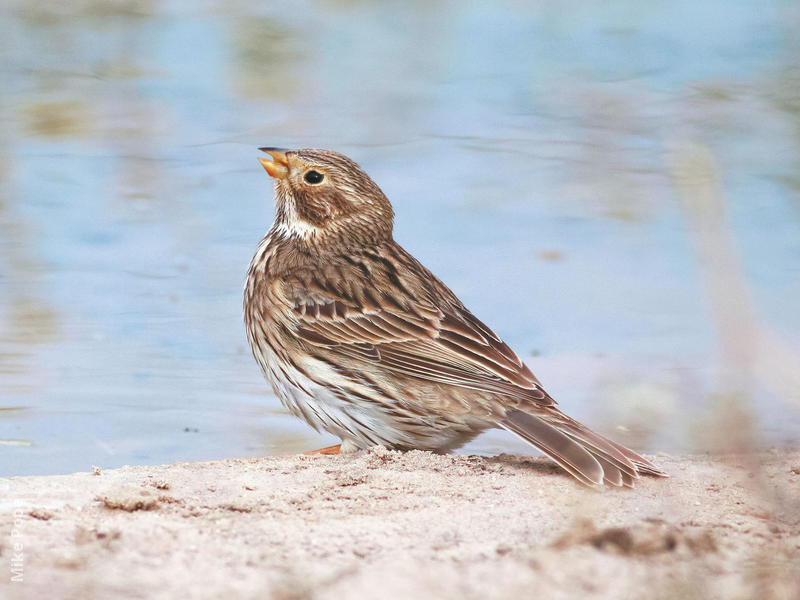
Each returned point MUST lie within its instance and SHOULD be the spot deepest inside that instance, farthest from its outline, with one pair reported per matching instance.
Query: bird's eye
(313, 177)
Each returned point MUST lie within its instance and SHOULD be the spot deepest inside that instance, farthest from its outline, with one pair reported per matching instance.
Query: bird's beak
(278, 167)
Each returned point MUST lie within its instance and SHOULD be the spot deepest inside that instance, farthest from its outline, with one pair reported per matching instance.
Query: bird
(359, 339)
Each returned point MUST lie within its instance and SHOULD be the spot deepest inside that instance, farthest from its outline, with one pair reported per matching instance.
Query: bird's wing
(409, 323)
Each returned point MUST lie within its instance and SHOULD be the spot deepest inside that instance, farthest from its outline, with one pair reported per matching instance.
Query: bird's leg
(348, 446)
(327, 450)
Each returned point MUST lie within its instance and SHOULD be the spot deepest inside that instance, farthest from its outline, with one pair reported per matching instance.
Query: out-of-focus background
(614, 189)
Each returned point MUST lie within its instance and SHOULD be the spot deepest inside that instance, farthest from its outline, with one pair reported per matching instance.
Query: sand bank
(404, 525)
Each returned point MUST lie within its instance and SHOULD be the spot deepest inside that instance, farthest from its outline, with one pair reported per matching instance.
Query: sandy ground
(404, 525)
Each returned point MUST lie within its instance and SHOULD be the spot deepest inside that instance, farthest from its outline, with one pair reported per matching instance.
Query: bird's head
(325, 198)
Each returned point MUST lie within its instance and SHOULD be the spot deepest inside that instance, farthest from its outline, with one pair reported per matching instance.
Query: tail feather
(624, 458)
(586, 455)
(573, 457)
(611, 474)
(598, 445)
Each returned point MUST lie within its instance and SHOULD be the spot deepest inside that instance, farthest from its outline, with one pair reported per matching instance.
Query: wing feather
(401, 327)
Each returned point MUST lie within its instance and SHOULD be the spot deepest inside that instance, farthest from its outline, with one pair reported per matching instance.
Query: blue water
(526, 149)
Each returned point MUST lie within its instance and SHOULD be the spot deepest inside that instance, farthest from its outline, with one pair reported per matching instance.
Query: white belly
(329, 407)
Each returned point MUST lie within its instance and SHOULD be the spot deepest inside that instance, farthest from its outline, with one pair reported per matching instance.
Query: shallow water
(526, 149)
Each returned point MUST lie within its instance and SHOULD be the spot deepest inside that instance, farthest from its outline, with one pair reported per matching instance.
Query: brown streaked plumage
(361, 340)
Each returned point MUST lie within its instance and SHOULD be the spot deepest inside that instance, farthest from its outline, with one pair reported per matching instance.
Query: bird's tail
(588, 456)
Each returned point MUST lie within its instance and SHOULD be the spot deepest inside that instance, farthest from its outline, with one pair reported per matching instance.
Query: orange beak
(278, 167)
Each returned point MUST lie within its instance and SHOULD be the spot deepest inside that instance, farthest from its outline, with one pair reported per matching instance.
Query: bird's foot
(337, 449)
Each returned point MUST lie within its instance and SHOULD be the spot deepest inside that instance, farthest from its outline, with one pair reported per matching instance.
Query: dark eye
(313, 177)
